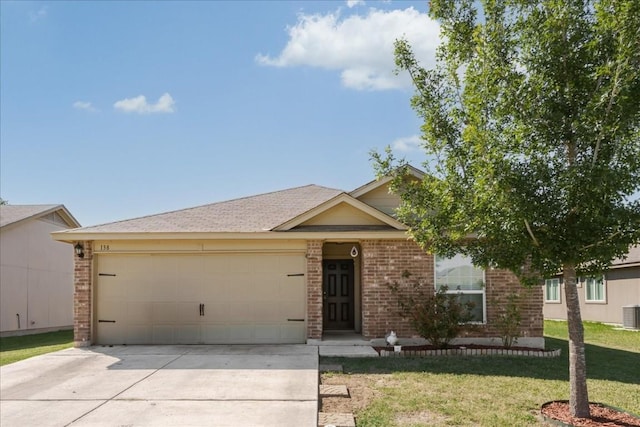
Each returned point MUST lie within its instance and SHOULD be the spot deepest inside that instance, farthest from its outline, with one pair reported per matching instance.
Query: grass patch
(13, 349)
(493, 391)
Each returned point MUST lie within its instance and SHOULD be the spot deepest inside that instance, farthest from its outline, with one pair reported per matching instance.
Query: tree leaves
(533, 115)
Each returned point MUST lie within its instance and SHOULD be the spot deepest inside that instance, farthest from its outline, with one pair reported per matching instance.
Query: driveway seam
(118, 394)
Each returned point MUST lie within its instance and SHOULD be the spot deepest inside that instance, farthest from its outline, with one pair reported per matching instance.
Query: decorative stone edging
(471, 352)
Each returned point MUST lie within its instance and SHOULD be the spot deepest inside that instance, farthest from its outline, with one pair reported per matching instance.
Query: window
(552, 290)
(595, 289)
(462, 277)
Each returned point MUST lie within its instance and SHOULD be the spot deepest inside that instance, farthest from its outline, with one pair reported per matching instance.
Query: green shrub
(438, 317)
(509, 320)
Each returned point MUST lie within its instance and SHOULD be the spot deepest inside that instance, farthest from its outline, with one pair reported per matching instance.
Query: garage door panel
(138, 290)
(292, 309)
(215, 334)
(111, 333)
(112, 289)
(190, 289)
(162, 334)
(240, 288)
(292, 288)
(241, 334)
(164, 312)
(165, 289)
(139, 312)
(271, 313)
(138, 334)
(188, 334)
(112, 310)
(240, 312)
(265, 289)
(265, 334)
(216, 312)
(292, 333)
(247, 298)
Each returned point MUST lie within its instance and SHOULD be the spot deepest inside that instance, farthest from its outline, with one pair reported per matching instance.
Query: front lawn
(488, 391)
(13, 349)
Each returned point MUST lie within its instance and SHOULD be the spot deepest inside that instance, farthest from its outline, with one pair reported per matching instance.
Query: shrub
(438, 317)
(509, 320)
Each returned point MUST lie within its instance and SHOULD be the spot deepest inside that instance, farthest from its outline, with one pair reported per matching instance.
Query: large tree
(532, 131)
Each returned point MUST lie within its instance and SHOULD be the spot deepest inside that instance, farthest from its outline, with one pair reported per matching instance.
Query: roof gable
(377, 193)
(13, 214)
(342, 210)
(383, 182)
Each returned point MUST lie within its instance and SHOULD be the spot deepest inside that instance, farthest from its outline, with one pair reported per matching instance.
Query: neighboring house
(36, 273)
(281, 267)
(602, 298)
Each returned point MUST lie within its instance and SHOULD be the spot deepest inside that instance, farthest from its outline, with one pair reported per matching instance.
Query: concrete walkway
(163, 386)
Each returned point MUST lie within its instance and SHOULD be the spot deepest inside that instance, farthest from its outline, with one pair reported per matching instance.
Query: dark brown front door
(337, 288)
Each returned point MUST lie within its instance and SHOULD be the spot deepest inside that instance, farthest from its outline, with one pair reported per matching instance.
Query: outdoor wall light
(354, 251)
(79, 250)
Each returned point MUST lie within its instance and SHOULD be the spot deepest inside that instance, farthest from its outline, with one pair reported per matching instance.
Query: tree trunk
(578, 395)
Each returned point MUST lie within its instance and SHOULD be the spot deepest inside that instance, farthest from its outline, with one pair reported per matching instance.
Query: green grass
(496, 391)
(13, 349)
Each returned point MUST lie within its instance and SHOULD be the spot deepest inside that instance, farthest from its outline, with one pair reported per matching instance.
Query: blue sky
(124, 109)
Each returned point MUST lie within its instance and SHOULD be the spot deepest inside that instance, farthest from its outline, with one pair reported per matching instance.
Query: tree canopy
(532, 127)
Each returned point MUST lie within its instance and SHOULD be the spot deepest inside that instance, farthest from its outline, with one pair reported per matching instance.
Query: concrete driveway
(163, 386)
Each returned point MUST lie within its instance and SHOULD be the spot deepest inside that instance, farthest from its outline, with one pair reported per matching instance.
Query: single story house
(36, 273)
(283, 267)
(601, 298)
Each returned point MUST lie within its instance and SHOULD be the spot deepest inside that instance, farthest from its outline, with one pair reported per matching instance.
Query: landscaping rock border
(470, 352)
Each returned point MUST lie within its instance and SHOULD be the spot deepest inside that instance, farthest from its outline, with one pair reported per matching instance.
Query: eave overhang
(73, 237)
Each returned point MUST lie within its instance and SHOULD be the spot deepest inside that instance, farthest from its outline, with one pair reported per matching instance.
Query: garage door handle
(201, 309)
(295, 320)
(106, 321)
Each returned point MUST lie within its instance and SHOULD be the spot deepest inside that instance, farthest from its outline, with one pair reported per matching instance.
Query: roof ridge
(213, 204)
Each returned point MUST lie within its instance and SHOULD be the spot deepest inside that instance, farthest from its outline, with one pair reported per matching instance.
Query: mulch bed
(600, 415)
(469, 346)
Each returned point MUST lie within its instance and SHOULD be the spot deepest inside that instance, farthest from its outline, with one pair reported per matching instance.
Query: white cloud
(83, 105)
(360, 46)
(410, 143)
(352, 3)
(140, 105)
(38, 15)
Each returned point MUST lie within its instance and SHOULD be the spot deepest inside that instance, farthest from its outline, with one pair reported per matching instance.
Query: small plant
(438, 317)
(509, 320)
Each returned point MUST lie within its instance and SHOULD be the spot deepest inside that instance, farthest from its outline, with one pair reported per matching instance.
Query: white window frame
(556, 282)
(481, 291)
(587, 284)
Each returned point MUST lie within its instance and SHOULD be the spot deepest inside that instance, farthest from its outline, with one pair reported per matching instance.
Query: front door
(337, 290)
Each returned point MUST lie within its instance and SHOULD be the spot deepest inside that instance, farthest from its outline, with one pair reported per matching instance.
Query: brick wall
(384, 263)
(500, 284)
(82, 297)
(314, 289)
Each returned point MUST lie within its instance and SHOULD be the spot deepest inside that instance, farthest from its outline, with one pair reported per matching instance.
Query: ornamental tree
(532, 131)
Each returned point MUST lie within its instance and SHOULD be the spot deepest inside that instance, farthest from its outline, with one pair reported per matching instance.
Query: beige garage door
(200, 299)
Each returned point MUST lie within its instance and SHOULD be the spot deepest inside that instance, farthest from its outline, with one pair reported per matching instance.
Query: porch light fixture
(354, 251)
(79, 250)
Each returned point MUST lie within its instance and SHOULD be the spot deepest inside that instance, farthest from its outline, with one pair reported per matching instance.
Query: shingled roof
(245, 215)
(11, 214)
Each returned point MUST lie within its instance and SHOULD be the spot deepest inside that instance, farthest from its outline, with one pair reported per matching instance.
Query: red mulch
(600, 416)
(430, 347)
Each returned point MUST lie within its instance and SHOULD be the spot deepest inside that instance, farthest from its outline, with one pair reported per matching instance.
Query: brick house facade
(254, 270)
